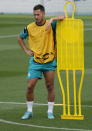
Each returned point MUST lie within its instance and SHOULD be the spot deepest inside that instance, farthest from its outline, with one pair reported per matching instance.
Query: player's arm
(53, 19)
(21, 37)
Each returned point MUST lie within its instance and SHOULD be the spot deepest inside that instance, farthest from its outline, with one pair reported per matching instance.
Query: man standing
(42, 51)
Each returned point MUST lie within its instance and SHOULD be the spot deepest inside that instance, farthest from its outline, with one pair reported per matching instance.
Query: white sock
(29, 106)
(50, 107)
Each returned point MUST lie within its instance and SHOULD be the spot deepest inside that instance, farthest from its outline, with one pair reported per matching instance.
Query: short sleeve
(24, 34)
(54, 25)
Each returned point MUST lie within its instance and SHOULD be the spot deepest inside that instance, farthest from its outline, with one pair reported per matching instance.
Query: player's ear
(43, 12)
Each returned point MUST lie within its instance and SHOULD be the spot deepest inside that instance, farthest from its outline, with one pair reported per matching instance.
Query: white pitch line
(44, 127)
(19, 103)
(38, 104)
(17, 23)
(88, 24)
(8, 36)
(87, 29)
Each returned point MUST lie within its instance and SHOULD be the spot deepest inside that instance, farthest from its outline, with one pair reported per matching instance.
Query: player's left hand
(62, 17)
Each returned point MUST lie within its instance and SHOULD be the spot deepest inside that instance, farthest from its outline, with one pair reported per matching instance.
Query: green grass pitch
(13, 82)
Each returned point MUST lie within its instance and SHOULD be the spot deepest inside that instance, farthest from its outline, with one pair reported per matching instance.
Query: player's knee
(50, 86)
(30, 87)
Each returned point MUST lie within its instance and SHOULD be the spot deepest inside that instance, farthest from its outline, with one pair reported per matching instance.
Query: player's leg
(30, 89)
(33, 76)
(49, 79)
(30, 98)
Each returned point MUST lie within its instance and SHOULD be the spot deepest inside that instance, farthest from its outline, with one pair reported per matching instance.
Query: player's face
(39, 16)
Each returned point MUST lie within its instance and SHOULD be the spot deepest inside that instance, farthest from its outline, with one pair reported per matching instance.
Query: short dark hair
(39, 7)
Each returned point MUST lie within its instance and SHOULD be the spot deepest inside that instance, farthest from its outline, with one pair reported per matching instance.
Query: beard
(39, 22)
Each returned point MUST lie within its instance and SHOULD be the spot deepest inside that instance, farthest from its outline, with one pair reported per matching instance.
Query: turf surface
(13, 82)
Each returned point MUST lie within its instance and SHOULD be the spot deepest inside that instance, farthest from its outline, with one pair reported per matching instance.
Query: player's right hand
(29, 52)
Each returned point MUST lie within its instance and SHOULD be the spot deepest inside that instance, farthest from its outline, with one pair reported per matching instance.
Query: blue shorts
(35, 69)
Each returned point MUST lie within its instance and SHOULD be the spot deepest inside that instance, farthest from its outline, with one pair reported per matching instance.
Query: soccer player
(41, 36)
